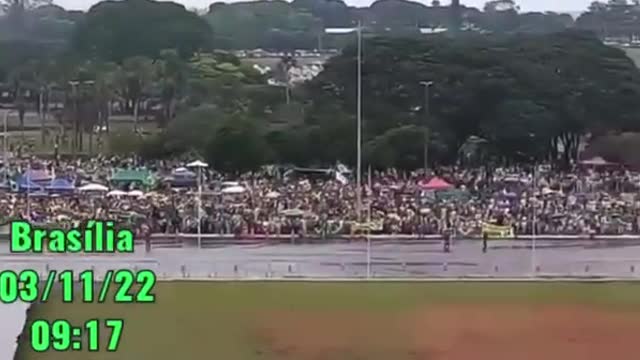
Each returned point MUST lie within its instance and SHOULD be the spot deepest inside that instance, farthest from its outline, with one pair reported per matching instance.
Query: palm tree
(134, 80)
(170, 73)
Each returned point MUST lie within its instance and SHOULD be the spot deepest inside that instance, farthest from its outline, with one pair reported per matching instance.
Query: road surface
(615, 258)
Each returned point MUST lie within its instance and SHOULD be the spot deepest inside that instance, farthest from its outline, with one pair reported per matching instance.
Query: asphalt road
(388, 259)
(619, 258)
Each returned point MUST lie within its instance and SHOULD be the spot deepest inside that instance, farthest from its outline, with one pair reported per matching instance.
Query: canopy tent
(180, 182)
(596, 161)
(25, 184)
(60, 185)
(94, 187)
(183, 172)
(144, 177)
(183, 177)
(37, 176)
(436, 183)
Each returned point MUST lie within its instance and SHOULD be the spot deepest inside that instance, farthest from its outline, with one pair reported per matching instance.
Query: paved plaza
(388, 259)
(397, 259)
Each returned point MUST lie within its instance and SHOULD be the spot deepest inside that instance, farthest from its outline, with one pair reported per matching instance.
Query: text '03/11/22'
(97, 237)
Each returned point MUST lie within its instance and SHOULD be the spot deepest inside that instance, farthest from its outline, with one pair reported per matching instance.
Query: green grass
(205, 320)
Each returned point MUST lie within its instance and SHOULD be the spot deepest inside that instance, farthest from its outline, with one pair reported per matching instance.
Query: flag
(341, 178)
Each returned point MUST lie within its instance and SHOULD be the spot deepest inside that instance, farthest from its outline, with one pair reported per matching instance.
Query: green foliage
(124, 142)
(238, 145)
(116, 30)
(524, 94)
(193, 130)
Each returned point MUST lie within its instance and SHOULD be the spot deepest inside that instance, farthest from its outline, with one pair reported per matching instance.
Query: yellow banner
(363, 227)
(497, 231)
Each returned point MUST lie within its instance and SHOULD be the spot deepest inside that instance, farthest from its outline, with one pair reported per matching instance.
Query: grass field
(362, 321)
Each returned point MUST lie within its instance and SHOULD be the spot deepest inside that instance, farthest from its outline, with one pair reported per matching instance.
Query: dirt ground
(454, 332)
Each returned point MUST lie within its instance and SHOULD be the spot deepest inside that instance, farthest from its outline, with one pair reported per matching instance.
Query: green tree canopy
(116, 30)
(550, 88)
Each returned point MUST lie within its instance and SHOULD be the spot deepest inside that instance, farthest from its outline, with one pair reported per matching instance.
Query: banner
(364, 227)
(497, 231)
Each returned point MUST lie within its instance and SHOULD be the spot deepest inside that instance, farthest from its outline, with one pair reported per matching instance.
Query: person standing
(485, 238)
(447, 240)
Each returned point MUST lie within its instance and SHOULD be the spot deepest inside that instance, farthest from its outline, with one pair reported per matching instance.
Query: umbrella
(230, 183)
(135, 193)
(198, 163)
(293, 212)
(94, 187)
(233, 190)
(116, 193)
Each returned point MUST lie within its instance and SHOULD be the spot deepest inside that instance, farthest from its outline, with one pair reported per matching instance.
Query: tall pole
(359, 125)
(533, 224)
(427, 115)
(199, 202)
(4, 148)
(28, 190)
(369, 227)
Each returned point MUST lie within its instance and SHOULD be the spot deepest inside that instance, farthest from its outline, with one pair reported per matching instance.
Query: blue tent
(183, 182)
(60, 185)
(25, 184)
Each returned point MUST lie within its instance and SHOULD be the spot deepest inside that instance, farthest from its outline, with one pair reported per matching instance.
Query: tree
(108, 28)
(551, 88)
(16, 10)
(170, 77)
(238, 146)
(135, 78)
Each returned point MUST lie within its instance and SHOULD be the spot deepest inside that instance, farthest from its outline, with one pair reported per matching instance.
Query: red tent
(435, 183)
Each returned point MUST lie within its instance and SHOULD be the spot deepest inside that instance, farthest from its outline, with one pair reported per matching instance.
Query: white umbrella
(293, 212)
(198, 163)
(94, 187)
(135, 193)
(273, 195)
(233, 190)
(116, 193)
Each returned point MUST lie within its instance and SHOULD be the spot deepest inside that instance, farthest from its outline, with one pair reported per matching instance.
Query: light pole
(533, 222)
(4, 146)
(358, 31)
(200, 165)
(427, 114)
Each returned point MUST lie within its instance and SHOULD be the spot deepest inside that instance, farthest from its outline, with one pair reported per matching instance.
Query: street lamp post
(427, 114)
(4, 146)
(534, 231)
(358, 31)
(200, 165)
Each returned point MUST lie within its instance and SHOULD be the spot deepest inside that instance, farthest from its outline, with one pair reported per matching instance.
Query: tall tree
(116, 30)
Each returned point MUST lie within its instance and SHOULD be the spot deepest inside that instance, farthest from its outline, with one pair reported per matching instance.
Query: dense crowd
(305, 202)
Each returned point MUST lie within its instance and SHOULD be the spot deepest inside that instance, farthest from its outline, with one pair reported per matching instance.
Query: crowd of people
(324, 202)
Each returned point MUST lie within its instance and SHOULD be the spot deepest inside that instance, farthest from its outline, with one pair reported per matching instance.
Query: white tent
(233, 190)
(94, 187)
(116, 193)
